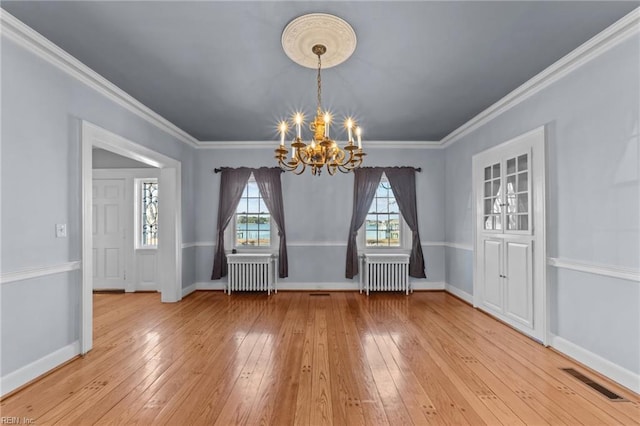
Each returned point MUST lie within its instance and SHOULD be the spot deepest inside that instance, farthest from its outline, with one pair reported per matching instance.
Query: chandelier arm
(304, 166)
(304, 158)
(287, 167)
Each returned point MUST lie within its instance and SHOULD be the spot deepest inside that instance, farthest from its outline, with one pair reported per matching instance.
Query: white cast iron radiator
(385, 272)
(251, 272)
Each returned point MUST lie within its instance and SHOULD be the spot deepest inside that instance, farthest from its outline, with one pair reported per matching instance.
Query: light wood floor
(299, 358)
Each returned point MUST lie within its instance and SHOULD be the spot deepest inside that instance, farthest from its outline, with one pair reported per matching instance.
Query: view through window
(383, 220)
(253, 221)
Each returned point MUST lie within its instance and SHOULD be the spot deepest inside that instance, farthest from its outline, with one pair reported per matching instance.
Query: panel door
(492, 276)
(109, 233)
(518, 282)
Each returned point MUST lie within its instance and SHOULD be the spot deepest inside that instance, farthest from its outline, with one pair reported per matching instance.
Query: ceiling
(217, 70)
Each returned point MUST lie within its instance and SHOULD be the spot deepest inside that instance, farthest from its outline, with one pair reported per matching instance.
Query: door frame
(539, 189)
(170, 209)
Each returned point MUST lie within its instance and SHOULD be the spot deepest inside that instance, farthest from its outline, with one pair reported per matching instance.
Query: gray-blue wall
(318, 213)
(593, 192)
(42, 110)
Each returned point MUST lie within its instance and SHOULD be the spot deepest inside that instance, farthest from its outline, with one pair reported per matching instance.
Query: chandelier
(321, 151)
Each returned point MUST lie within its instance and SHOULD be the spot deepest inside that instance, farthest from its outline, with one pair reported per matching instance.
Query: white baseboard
(459, 293)
(311, 286)
(210, 285)
(427, 285)
(190, 289)
(619, 374)
(293, 286)
(24, 375)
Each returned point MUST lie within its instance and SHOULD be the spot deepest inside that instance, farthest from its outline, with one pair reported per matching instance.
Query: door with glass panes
(508, 187)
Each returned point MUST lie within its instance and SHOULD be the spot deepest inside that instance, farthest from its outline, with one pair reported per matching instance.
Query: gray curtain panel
(232, 183)
(268, 180)
(365, 184)
(403, 185)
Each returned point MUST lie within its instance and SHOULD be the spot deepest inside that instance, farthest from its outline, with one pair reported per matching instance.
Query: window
(252, 220)
(148, 212)
(383, 223)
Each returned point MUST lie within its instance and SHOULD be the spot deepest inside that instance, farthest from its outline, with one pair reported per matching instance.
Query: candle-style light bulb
(327, 122)
(359, 135)
(298, 119)
(349, 127)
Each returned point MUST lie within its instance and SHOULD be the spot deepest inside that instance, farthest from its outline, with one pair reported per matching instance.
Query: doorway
(510, 233)
(169, 250)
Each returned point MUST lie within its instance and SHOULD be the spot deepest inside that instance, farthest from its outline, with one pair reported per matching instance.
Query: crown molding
(274, 143)
(237, 144)
(17, 31)
(600, 43)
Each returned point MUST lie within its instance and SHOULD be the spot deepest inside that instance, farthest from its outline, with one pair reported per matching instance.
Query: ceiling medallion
(315, 40)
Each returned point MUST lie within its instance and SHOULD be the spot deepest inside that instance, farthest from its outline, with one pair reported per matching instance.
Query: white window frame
(137, 206)
(405, 235)
(230, 235)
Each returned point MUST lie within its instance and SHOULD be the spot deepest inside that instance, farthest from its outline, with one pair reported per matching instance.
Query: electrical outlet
(61, 230)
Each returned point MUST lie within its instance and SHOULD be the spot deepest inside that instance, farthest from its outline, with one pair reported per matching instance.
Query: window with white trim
(147, 213)
(252, 225)
(384, 226)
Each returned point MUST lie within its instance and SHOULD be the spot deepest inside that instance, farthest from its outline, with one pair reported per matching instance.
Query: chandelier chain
(319, 84)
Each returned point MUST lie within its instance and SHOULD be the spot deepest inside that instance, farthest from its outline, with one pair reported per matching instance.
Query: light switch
(61, 230)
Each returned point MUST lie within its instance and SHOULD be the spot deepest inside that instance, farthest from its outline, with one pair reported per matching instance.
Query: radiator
(251, 272)
(385, 272)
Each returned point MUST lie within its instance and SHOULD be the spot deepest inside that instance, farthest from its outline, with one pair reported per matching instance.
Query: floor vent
(594, 385)
(108, 291)
(319, 294)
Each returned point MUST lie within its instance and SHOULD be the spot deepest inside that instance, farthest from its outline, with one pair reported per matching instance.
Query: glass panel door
(492, 197)
(518, 190)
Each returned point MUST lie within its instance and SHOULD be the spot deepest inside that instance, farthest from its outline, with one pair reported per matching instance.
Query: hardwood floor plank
(533, 363)
(322, 403)
(293, 358)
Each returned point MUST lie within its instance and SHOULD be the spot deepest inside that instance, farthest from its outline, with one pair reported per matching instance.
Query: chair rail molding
(595, 268)
(39, 271)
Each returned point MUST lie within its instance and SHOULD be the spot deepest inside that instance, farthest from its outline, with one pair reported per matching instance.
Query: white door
(509, 280)
(109, 234)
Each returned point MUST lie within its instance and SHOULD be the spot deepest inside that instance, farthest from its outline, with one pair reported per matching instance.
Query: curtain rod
(417, 169)
(218, 170)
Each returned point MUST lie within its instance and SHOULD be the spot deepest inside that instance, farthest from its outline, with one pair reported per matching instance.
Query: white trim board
(188, 290)
(595, 268)
(40, 271)
(312, 286)
(274, 144)
(31, 40)
(29, 372)
(619, 374)
(459, 293)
